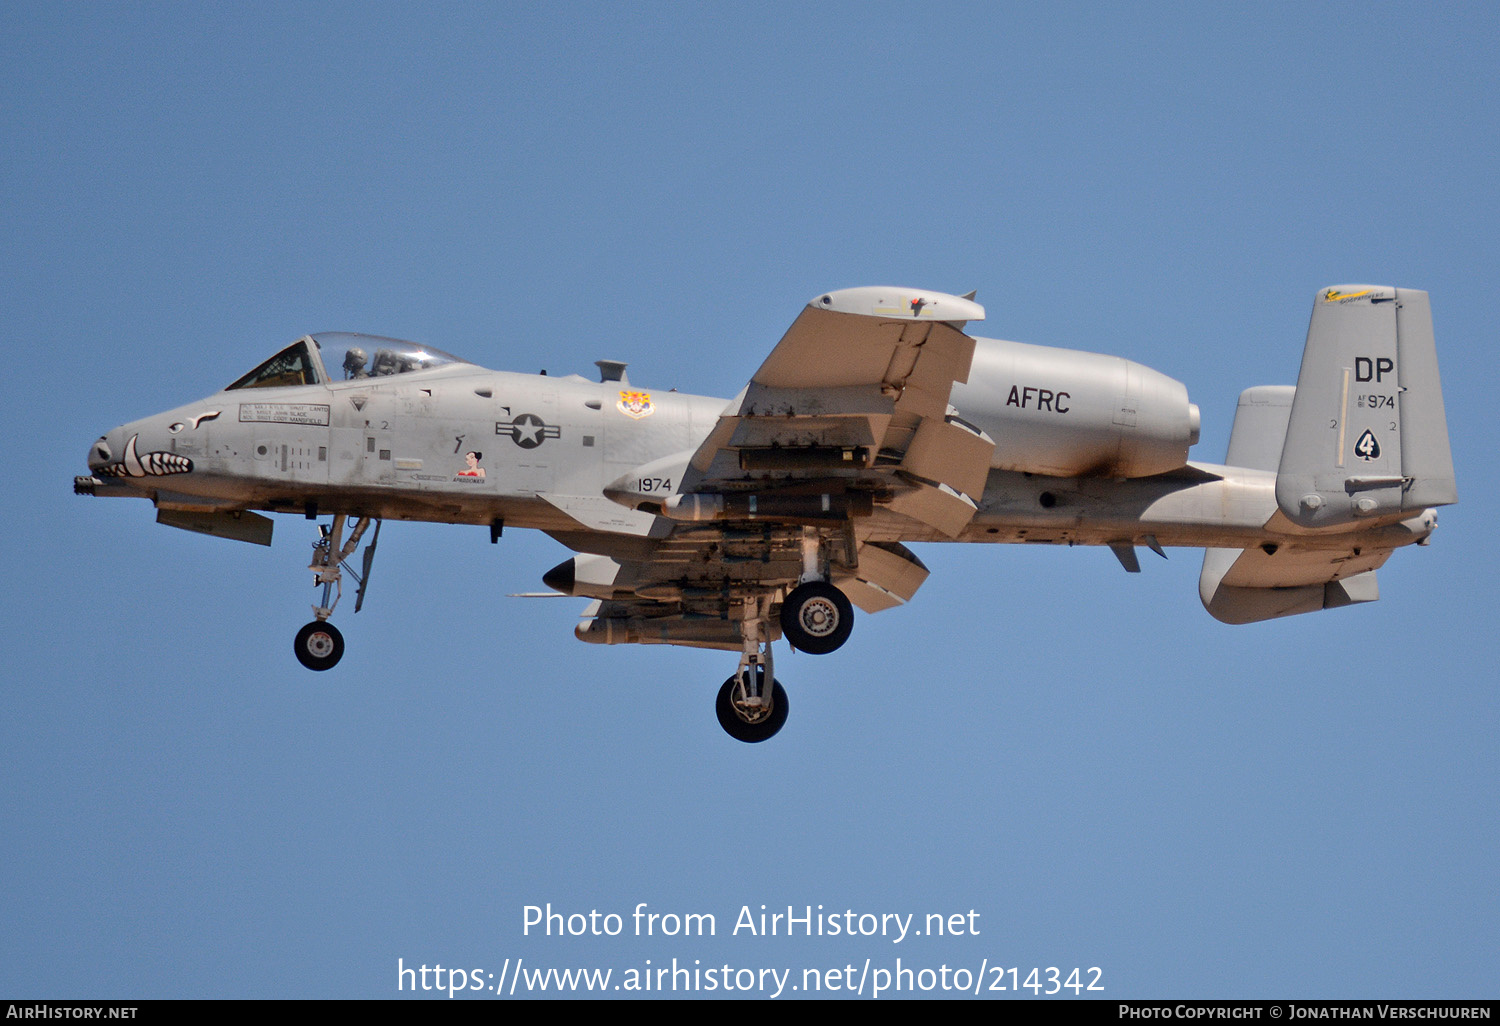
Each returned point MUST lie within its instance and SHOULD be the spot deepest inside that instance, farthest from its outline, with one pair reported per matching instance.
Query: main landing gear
(319, 645)
(748, 710)
(816, 617)
(751, 705)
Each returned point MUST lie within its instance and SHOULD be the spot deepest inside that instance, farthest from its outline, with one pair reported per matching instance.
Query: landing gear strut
(816, 616)
(752, 705)
(319, 645)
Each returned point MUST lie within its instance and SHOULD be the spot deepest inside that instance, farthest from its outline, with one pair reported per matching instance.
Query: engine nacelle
(1065, 413)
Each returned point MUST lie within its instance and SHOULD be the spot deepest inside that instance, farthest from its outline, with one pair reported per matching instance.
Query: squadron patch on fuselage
(635, 404)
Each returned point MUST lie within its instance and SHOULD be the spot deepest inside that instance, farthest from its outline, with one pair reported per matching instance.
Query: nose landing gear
(319, 645)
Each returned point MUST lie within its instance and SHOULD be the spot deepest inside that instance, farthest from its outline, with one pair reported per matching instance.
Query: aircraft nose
(100, 453)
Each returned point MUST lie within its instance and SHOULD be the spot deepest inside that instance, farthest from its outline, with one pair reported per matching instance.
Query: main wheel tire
(816, 617)
(319, 645)
(751, 733)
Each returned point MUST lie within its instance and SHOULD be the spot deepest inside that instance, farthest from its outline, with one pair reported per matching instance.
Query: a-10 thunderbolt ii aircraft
(875, 422)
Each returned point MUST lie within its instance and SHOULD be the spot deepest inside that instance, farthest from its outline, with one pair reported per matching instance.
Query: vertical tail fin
(1367, 434)
(1259, 431)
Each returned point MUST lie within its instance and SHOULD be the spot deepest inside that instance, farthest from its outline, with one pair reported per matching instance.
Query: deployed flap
(888, 575)
(936, 505)
(1367, 434)
(950, 452)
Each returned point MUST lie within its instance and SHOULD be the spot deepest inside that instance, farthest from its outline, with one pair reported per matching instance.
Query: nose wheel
(319, 645)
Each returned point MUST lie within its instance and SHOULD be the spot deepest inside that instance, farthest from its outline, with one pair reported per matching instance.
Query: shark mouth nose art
(152, 464)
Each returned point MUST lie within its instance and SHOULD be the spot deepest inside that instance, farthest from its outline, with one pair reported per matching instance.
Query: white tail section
(1367, 434)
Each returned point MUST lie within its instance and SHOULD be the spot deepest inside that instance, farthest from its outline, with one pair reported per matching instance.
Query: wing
(694, 592)
(842, 443)
(851, 405)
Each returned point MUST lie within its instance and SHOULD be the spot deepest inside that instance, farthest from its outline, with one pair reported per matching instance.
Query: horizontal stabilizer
(1248, 585)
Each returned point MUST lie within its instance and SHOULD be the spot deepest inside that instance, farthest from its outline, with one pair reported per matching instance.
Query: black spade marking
(1367, 448)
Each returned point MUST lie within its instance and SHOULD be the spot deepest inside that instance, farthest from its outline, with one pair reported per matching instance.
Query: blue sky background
(1303, 808)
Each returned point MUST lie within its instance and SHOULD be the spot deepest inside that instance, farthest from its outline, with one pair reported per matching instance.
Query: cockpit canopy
(341, 356)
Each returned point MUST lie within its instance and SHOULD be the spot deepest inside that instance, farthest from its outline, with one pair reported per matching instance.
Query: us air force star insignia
(527, 430)
(635, 404)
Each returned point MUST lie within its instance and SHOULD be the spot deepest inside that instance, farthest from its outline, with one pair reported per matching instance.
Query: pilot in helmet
(354, 363)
